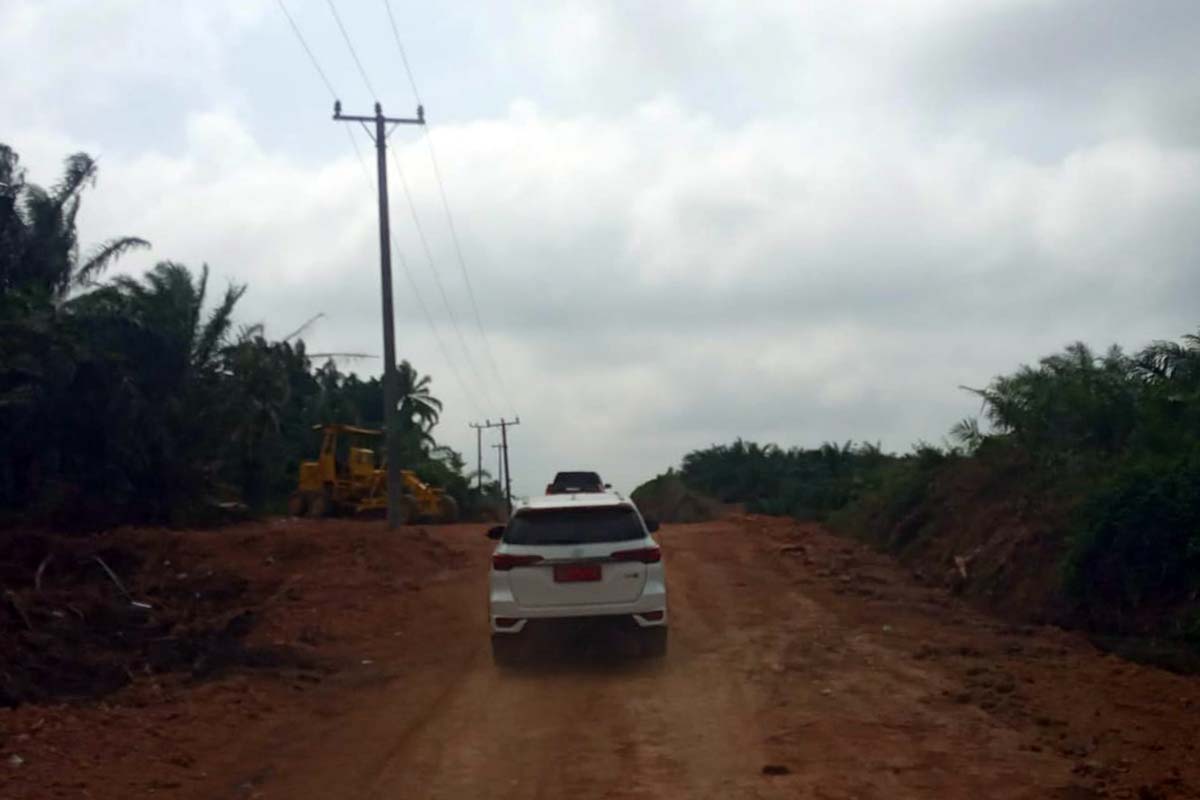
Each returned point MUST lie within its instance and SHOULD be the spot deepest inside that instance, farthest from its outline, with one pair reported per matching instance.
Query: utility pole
(507, 473)
(478, 456)
(390, 400)
(499, 448)
(504, 425)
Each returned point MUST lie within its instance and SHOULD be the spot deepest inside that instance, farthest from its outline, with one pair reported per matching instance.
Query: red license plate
(576, 573)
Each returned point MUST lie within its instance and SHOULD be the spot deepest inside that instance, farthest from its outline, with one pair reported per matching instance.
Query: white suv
(574, 561)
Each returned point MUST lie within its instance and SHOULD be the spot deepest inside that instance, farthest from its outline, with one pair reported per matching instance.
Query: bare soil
(801, 665)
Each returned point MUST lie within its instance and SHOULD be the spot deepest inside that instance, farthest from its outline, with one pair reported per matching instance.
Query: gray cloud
(1047, 76)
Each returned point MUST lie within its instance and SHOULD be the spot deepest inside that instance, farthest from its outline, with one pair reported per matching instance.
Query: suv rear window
(574, 526)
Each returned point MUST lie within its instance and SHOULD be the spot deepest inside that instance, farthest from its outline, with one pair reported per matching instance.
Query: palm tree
(256, 371)
(967, 433)
(170, 302)
(419, 410)
(45, 356)
(174, 385)
(39, 246)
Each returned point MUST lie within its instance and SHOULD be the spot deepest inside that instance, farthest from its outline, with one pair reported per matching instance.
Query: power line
(399, 44)
(324, 79)
(311, 57)
(367, 174)
(338, 19)
(361, 161)
(403, 261)
(421, 231)
(437, 337)
(441, 184)
(462, 265)
(437, 276)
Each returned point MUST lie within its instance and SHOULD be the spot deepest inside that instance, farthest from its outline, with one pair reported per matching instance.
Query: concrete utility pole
(507, 471)
(390, 400)
(478, 456)
(499, 448)
(503, 425)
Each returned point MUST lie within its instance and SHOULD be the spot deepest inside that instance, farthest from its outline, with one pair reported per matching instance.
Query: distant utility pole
(390, 400)
(503, 425)
(478, 456)
(499, 448)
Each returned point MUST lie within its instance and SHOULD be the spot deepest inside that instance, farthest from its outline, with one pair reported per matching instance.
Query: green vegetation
(1103, 449)
(1124, 432)
(796, 482)
(141, 399)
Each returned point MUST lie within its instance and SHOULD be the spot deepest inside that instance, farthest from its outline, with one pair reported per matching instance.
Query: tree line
(1108, 442)
(142, 399)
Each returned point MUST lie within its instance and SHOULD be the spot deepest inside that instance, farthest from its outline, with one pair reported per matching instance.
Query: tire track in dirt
(793, 653)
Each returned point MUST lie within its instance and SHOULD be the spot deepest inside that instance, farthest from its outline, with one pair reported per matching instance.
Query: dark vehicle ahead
(568, 482)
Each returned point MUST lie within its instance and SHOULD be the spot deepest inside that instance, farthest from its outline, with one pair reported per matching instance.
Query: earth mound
(667, 499)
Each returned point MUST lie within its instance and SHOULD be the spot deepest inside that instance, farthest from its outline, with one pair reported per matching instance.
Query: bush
(886, 512)
(1137, 542)
(798, 482)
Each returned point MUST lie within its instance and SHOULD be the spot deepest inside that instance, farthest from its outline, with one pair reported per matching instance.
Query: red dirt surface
(801, 665)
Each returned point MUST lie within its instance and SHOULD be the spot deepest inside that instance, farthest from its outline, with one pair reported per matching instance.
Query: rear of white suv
(576, 561)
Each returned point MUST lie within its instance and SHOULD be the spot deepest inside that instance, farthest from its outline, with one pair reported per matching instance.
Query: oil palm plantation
(138, 398)
(172, 384)
(43, 352)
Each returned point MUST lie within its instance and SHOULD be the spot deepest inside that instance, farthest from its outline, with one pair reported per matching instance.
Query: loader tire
(297, 504)
(320, 505)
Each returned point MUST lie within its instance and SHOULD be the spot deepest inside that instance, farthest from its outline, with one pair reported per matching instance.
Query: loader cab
(349, 477)
(346, 453)
(361, 462)
(344, 472)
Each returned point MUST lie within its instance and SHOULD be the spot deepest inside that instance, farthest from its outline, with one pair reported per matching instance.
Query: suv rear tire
(654, 642)
(506, 650)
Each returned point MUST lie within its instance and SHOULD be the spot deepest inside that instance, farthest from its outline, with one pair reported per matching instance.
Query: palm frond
(216, 329)
(101, 256)
(80, 169)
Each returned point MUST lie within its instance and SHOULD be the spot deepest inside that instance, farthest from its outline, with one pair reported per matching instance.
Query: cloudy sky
(683, 222)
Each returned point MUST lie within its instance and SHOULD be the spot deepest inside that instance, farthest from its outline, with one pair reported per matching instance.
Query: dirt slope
(666, 499)
(801, 666)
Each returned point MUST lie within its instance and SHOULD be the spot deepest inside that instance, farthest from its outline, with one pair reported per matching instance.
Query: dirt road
(801, 665)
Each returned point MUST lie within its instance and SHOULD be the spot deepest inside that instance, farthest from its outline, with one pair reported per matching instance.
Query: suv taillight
(646, 555)
(503, 562)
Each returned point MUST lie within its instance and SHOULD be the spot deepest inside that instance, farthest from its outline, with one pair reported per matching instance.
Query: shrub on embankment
(1076, 501)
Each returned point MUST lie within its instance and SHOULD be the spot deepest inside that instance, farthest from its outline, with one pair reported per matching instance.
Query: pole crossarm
(378, 115)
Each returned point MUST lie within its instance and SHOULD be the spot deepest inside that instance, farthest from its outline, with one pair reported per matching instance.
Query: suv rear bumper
(556, 630)
(648, 611)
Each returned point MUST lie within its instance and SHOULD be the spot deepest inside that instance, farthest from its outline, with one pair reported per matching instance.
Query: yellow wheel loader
(345, 479)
